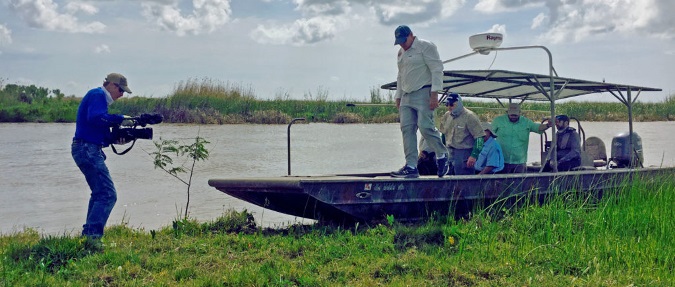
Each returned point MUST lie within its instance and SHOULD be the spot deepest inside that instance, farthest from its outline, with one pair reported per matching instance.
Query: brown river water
(42, 188)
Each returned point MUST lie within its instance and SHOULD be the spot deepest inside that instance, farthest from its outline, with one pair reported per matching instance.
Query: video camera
(133, 128)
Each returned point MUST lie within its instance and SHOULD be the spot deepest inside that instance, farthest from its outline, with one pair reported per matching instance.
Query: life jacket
(564, 137)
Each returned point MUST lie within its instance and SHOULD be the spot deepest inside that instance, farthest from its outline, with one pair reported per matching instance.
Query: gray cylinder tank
(622, 155)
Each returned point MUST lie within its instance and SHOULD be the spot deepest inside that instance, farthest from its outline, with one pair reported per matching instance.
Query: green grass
(210, 102)
(625, 239)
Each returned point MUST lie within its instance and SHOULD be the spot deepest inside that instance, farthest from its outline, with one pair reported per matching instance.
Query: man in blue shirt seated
(491, 158)
(92, 134)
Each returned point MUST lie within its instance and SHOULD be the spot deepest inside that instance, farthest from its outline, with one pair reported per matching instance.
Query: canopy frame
(503, 84)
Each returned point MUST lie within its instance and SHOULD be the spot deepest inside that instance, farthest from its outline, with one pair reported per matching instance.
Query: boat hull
(367, 197)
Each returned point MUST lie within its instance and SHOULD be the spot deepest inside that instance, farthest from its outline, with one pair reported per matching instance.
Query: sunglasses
(119, 89)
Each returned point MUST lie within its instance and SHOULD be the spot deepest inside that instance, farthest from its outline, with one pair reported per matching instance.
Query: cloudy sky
(343, 48)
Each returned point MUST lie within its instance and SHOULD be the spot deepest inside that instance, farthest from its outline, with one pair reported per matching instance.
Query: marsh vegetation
(205, 101)
(625, 239)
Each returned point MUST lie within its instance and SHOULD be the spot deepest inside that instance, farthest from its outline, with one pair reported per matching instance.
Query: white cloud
(5, 36)
(324, 18)
(501, 6)
(578, 20)
(498, 28)
(394, 12)
(301, 32)
(44, 14)
(206, 16)
(74, 7)
(103, 48)
(538, 20)
(323, 7)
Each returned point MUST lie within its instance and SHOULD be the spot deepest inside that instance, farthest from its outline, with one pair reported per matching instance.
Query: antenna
(485, 42)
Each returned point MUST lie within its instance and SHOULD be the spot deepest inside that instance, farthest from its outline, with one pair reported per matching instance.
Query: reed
(207, 101)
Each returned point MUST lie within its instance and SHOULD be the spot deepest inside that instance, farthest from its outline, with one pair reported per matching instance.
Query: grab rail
(288, 141)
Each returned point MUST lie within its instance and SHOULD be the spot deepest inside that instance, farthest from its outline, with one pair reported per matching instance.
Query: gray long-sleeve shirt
(418, 66)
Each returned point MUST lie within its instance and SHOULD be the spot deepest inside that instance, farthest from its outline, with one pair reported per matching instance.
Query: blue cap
(451, 99)
(401, 34)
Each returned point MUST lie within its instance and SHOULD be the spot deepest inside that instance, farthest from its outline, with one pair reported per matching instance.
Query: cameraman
(92, 134)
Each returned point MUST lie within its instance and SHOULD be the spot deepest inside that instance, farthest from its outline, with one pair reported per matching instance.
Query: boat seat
(594, 147)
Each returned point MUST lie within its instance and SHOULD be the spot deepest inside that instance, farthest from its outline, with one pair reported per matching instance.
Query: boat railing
(288, 141)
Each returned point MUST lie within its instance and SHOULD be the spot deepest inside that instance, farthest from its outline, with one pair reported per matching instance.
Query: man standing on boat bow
(420, 77)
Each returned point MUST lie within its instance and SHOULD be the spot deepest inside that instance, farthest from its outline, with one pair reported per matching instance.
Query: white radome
(482, 43)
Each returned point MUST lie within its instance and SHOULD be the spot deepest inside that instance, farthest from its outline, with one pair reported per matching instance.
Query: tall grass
(206, 101)
(624, 239)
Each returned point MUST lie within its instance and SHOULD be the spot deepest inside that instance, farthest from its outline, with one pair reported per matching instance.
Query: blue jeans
(415, 114)
(91, 161)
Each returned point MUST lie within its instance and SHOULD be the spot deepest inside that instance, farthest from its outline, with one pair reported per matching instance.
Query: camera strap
(123, 152)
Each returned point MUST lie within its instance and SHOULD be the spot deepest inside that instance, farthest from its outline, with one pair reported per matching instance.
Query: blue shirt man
(92, 133)
(491, 158)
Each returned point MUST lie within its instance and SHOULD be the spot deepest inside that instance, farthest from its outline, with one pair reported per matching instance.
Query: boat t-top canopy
(503, 84)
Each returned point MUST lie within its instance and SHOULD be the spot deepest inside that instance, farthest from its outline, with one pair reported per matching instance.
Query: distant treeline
(208, 102)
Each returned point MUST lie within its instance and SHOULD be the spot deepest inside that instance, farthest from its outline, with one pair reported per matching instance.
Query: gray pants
(415, 114)
(459, 159)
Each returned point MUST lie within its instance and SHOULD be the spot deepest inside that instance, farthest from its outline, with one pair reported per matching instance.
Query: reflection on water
(41, 187)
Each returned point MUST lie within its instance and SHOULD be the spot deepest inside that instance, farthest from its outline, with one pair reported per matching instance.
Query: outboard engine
(622, 155)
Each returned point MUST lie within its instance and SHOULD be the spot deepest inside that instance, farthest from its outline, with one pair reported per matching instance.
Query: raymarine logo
(493, 38)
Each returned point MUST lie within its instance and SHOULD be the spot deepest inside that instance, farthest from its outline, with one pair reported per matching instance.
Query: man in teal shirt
(513, 134)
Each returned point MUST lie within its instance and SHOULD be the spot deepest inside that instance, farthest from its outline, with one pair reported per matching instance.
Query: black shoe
(406, 172)
(443, 166)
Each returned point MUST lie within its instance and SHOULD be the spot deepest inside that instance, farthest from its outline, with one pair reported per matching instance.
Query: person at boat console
(462, 130)
(92, 134)
(568, 145)
(491, 158)
(420, 77)
(513, 134)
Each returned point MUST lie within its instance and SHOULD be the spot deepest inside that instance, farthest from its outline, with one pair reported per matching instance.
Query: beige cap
(487, 127)
(514, 109)
(119, 80)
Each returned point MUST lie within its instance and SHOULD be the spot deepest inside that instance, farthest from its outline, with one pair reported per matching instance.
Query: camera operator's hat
(119, 80)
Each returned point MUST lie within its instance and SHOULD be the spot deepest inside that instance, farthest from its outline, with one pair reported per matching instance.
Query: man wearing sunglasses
(463, 135)
(92, 134)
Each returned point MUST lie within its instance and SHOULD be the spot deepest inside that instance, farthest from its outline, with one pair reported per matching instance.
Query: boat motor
(622, 155)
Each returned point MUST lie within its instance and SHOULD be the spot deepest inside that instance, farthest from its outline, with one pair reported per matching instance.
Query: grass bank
(210, 102)
(626, 239)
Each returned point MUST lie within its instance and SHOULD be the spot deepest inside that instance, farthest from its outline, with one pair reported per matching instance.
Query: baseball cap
(119, 80)
(514, 109)
(451, 99)
(401, 34)
(562, 118)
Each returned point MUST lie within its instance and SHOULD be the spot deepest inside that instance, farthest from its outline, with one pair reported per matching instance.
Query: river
(42, 188)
